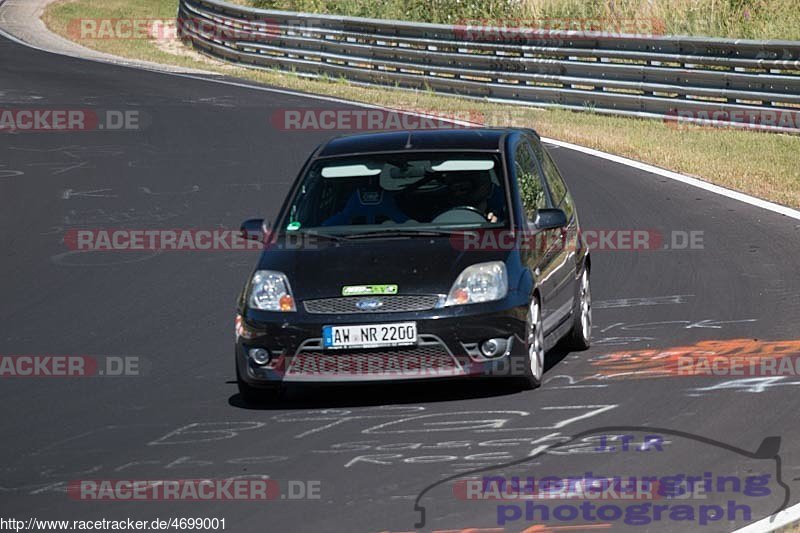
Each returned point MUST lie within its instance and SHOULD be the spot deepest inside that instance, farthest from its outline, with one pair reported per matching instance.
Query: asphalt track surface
(209, 157)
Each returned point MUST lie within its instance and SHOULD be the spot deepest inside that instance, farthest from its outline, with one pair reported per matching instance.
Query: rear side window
(531, 189)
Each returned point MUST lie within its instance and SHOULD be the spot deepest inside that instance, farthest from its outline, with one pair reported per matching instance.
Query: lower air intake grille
(424, 361)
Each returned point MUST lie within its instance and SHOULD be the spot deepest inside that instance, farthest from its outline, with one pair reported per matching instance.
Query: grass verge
(761, 164)
(738, 19)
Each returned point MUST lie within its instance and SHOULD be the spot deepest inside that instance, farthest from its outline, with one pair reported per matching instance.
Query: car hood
(417, 265)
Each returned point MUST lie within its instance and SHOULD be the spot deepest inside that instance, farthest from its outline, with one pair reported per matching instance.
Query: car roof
(416, 140)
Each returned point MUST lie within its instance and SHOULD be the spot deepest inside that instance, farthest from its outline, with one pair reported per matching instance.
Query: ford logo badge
(369, 304)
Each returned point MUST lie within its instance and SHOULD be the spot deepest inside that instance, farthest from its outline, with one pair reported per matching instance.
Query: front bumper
(448, 341)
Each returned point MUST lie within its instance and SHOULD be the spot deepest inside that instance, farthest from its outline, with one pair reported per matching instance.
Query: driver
(369, 204)
(476, 189)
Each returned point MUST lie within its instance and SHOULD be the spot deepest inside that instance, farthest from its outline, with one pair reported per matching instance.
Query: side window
(568, 205)
(558, 189)
(531, 190)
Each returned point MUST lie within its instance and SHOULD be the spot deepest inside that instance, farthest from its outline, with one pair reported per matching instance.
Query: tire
(580, 337)
(534, 347)
(254, 395)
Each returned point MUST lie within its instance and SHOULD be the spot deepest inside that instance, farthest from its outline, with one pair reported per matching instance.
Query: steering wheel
(429, 177)
(451, 216)
(468, 208)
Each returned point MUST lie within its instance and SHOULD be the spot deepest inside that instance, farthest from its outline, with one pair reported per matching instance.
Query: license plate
(369, 336)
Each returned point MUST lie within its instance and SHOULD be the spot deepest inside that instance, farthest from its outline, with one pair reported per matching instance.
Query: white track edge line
(695, 182)
(776, 521)
(688, 180)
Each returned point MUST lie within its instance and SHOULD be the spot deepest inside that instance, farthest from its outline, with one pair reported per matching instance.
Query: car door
(562, 250)
(540, 254)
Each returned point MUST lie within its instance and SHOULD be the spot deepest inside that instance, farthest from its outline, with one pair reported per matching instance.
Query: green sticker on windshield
(369, 290)
(293, 226)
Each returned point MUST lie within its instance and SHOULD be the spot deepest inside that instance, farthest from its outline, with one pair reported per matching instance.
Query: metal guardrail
(742, 83)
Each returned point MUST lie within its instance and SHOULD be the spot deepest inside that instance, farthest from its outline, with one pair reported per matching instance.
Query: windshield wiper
(405, 233)
(323, 235)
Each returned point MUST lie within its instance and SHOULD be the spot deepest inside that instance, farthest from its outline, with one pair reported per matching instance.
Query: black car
(415, 255)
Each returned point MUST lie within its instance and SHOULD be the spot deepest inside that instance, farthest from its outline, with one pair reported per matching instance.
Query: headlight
(484, 282)
(270, 291)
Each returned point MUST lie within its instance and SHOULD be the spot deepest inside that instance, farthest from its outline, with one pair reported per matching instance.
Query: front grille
(389, 304)
(428, 359)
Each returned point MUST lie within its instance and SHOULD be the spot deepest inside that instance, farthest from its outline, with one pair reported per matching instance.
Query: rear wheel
(534, 367)
(580, 338)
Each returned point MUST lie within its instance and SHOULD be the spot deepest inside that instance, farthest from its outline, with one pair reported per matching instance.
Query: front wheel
(534, 367)
(580, 338)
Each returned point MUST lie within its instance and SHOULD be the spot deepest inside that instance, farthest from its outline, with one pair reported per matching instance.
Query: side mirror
(550, 219)
(254, 229)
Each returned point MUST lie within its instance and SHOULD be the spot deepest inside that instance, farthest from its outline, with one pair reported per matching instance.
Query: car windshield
(414, 192)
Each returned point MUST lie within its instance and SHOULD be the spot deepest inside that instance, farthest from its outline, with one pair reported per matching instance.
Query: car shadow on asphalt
(315, 396)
